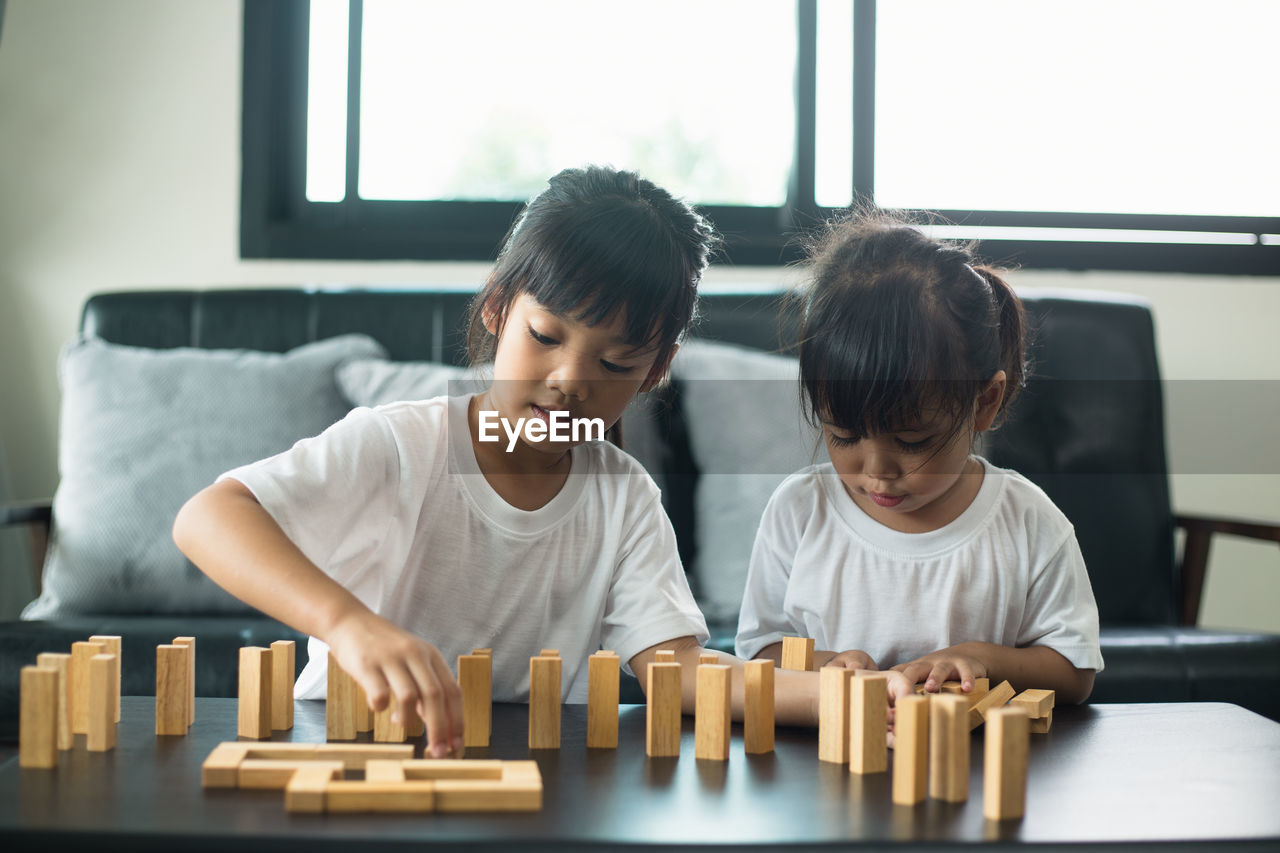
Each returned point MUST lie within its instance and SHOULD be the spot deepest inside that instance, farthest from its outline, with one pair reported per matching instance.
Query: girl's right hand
(393, 665)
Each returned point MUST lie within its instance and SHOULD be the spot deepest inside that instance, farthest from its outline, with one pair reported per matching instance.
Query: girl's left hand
(951, 664)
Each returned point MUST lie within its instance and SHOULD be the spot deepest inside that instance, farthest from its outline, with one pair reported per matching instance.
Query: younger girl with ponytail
(907, 551)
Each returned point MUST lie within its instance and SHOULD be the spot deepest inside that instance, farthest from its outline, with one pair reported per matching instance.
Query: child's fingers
(404, 692)
(964, 673)
(441, 705)
(915, 672)
(942, 671)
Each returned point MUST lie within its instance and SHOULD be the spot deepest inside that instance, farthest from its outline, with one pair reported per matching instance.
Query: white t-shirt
(1008, 570)
(390, 503)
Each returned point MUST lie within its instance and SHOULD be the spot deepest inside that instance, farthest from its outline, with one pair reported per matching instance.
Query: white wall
(119, 168)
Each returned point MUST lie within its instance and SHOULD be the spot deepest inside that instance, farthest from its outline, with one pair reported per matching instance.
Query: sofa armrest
(37, 516)
(1195, 552)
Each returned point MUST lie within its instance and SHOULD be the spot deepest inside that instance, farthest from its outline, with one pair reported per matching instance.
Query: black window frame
(277, 221)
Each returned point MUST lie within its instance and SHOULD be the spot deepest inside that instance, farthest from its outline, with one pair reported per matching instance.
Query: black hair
(894, 323)
(595, 242)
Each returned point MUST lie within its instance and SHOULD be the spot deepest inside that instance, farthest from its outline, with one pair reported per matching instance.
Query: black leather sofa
(1089, 430)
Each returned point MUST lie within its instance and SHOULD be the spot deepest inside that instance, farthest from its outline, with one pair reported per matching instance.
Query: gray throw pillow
(747, 433)
(375, 382)
(142, 430)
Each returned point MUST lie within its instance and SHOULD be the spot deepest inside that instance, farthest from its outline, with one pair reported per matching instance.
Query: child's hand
(853, 659)
(391, 664)
(944, 665)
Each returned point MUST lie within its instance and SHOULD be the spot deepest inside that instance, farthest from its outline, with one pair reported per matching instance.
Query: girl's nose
(566, 378)
(881, 466)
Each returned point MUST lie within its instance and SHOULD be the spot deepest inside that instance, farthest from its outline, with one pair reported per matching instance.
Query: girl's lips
(886, 500)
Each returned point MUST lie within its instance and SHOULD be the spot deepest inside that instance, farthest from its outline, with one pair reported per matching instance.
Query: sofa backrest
(1089, 428)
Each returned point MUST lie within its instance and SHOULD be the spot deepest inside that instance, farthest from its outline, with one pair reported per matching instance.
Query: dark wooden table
(1142, 776)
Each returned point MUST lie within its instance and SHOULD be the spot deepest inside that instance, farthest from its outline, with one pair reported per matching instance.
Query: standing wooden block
(549, 653)
(361, 712)
(385, 731)
(340, 703)
(949, 748)
(1004, 773)
(712, 721)
(757, 718)
(114, 646)
(488, 652)
(833, 714)
(995, 698)
(189, 643)
(254, 714)
(283, 660)
(171, 690)
(38, 717)
(62, 663)
(603, 683)
(797, 653)
(79, 694)
(664, 656)
(662, 719)
(708, 657)
(869, 724)
(910, 750)
(475, 677)
(544, 702)
(104, 677)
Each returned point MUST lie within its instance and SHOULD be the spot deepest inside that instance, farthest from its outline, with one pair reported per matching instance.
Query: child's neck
(525, 478)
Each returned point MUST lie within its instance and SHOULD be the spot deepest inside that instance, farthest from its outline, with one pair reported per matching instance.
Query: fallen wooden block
(419, 786)
(221, 768)
(995, 698)
(1038, 703)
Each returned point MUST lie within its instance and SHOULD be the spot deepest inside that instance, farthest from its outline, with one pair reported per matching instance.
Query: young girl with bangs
(398, 539)
(906, 551)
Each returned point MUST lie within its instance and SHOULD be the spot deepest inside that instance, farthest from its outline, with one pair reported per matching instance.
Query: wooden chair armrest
(1195, 552)
(38, 518)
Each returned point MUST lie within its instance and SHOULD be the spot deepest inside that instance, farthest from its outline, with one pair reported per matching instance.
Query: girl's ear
(489, 317)
(658, 372)
(988, 403)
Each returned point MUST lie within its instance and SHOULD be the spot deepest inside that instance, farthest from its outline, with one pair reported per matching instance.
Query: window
(1092, 134)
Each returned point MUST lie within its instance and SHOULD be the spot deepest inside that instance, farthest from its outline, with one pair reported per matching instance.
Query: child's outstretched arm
(232, 539)
(1030, 666)
(795, 693)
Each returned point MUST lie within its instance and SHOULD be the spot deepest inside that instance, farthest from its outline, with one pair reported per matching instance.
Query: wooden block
(948, 748)
(385, 731)
(910, 750)
(757, 723)
(475, 677)
(221, 769)
(253, 717)
(712, 722)
(172, 691)
(549, 653)
(383, 770)
(797, 653)
(664, 656)
(452, 768)
(114, 646)
(62, 663)
(354, 756)
(603, 683)
(995, 698)
(361, 712)
(869, 724)
(104, 682)
(951, 687)
(306, 789)
(355, 797)
(488, 652)
(833, 714)
(274, 773)
(1038, 703)
(189, 643)
(78, 697)
(340, 702)
(283, 660)
(415, 727)
(663, 715)
(1041, 725)
(1004, 773)
(38, 717)
(519, 788)
(544, 702)
(708, 657)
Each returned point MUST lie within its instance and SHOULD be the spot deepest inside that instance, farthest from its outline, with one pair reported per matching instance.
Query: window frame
(276, 220)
